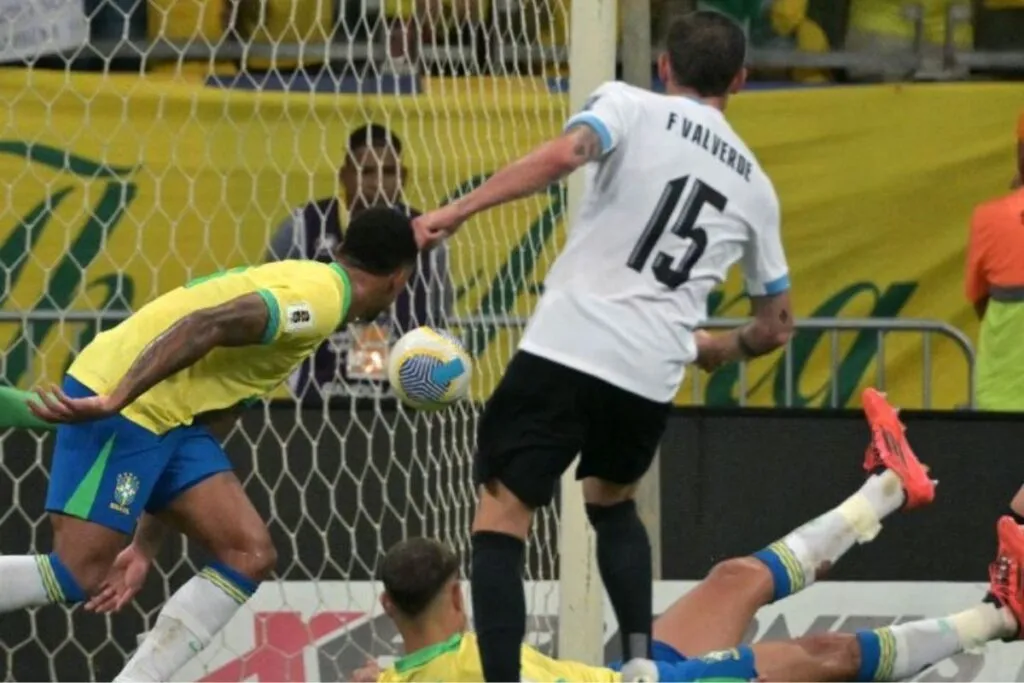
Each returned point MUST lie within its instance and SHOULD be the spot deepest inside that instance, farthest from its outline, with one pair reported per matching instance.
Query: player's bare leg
(82, 554)
(500, 528)
(715, 614)
(624, 561)
(216, 513)
(896, 653)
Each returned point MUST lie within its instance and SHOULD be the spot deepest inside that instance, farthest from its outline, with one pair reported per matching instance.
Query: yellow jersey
(307, 301)
(458, 659)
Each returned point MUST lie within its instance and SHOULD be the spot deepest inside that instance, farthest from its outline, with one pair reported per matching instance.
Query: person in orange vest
(994, 285)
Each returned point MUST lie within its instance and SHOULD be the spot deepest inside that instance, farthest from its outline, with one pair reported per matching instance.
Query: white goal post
(162, 147)
(592, 56)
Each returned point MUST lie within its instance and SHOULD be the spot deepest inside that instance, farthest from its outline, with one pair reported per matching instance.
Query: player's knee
(838, 654)
(502, 511)
(81, 559)
(606, 493)
(740, 572)
(251, 553)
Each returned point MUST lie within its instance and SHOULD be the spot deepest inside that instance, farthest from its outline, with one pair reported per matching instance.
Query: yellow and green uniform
(458, 659)
(110, 470)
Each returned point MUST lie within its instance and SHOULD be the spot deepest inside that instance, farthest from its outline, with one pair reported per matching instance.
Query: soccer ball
(428, 369)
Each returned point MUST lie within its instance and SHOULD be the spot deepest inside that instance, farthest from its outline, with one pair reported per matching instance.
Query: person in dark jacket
(353, 362)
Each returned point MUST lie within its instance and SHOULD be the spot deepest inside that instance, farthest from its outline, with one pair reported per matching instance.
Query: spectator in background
(881, 27)
(777, 24)
(994, 284)
(266, 24)
(456, 29)
(353, 362)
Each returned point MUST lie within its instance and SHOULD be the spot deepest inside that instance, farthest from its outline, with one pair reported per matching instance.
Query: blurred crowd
(494, 37)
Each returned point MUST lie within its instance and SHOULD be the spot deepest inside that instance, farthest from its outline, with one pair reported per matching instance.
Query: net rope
(164, 148)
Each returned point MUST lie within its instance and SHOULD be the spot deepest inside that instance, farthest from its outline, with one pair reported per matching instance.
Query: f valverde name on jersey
(675, 200)
(306, 301)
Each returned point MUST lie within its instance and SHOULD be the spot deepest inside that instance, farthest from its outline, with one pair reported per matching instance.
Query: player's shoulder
(623, 94)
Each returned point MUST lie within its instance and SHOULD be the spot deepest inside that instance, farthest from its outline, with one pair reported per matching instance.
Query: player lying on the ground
(132, 442)
(698, 637)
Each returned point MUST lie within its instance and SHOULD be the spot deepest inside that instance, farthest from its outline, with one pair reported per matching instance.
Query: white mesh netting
(146, 143)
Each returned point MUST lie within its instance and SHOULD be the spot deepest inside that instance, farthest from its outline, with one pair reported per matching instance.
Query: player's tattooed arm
(528, 175)
(770, 329)
(586, 143)
(239, 322)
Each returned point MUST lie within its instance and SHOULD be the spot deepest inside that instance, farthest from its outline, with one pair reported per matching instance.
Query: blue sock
(235, 584)
(59, 583)
(877, 655)
(787, 575)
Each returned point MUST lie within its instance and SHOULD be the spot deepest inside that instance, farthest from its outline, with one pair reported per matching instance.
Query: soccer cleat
(1005, 573)
(890, 449)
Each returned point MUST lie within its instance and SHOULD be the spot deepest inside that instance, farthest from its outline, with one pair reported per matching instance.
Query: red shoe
(1005, 573)
(890, 449)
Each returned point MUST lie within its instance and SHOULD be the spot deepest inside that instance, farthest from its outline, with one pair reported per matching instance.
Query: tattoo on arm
(586, 143)
(239, 322)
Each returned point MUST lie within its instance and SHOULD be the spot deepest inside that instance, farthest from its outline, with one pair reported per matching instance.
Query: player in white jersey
(673, 199)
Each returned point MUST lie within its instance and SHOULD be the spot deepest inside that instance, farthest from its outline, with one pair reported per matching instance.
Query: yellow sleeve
(309, 307)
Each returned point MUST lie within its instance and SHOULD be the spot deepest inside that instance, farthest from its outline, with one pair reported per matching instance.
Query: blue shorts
(736, 664)
(110, 470)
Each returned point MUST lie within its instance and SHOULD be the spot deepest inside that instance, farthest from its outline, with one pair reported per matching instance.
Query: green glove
(14, 411)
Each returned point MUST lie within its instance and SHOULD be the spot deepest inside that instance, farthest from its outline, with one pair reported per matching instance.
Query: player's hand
(708, 357)
(123, 581)
(433, 227)
(367, 673)
(56, 406)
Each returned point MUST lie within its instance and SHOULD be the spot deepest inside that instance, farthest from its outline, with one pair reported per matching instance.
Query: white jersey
(676, 199)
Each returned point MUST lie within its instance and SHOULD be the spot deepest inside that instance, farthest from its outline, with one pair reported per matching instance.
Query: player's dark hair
(373, 135)
(380, 241)
(414, 572)
(706, 50)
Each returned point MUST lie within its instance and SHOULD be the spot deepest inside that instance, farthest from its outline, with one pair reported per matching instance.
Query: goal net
(147, 143)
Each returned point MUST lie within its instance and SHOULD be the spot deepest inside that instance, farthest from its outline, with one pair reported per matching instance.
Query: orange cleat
(890, 449)
(1006, 581)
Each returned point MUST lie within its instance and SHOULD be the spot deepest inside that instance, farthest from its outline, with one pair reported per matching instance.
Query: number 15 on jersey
(667, 272)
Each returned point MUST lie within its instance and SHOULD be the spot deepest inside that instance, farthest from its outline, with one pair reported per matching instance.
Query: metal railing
(833, 327)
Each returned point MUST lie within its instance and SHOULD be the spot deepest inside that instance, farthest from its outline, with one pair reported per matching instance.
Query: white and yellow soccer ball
(429, 369)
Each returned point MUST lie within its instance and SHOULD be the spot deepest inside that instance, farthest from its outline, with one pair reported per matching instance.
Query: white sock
(919, 644)
(819, 544)
(21, 582)
(186, 625)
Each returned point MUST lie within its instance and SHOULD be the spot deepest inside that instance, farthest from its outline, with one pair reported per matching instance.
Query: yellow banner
(120, 188)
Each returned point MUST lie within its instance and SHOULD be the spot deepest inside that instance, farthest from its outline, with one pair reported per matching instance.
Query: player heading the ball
(672, 198)
(132, 442)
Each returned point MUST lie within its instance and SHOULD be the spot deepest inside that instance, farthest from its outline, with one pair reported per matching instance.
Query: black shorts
(543, 414)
